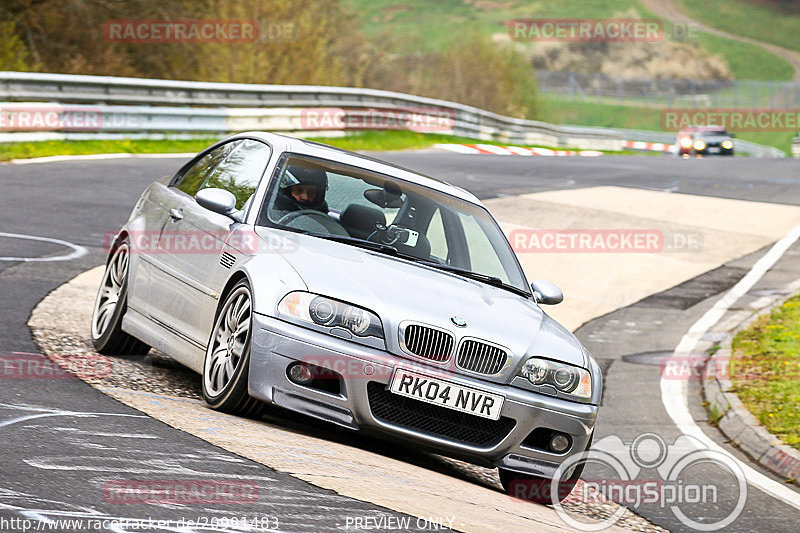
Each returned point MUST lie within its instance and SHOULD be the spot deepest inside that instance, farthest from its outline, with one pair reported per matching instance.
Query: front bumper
(714, 150)
(366, 371)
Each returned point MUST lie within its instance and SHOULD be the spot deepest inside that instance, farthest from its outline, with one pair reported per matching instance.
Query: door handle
(176, 214)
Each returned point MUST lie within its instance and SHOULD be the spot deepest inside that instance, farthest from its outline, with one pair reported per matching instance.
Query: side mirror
(217, 200)
(546, 293)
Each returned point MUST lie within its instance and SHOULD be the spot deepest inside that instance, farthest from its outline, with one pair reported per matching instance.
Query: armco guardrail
(148, 105)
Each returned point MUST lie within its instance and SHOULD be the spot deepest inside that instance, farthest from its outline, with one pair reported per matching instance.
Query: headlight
(686, 142)
(699, 145)
(727, 144)
(329, 313)
(565, 378)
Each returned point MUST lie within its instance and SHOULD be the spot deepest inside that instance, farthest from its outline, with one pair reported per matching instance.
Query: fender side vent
(227, 260)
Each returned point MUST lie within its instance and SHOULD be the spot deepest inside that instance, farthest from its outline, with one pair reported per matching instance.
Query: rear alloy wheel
(109, 308)
(227, 360)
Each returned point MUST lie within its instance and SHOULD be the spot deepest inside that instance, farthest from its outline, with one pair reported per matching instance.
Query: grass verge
(367, 141)
(602, 114)
(750, 19)
(765, 367)
(26, 150)
(747, 61)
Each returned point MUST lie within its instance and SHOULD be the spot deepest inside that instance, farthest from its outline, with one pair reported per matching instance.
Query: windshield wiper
(491, 280)
(380, 247)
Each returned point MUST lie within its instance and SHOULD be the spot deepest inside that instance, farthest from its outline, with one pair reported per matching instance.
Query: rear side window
(191, 180)
(240, 171)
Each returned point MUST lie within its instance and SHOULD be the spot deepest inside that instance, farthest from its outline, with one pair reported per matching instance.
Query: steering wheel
(328, 223)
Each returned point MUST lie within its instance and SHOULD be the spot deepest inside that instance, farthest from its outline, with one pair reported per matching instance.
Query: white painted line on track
(674, 392)
(46, 412)
(77, 251)
(96, 157)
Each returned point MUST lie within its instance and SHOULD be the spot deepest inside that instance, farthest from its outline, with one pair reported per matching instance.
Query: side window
(436, 236)
(193, 178)
(240, 171)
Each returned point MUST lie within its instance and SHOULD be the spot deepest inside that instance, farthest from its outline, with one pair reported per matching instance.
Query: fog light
(559, 443)
(300, 373)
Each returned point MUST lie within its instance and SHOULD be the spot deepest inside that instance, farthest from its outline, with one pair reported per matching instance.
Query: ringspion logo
(705, 489)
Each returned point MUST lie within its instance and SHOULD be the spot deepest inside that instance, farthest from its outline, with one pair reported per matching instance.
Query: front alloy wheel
(227, 360)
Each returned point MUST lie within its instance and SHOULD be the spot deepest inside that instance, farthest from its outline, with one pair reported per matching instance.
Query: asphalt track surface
(58, 462)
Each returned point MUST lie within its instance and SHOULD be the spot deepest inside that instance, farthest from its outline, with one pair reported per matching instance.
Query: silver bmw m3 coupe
(294, 274)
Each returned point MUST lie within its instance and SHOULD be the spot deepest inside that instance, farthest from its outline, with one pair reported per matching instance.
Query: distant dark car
(704, 140)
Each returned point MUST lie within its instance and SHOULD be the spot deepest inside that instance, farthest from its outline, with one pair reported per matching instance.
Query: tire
(110, 306)
(227, 361)
(537, 489)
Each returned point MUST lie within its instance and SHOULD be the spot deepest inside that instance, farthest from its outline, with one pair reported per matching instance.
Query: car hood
(399, 290)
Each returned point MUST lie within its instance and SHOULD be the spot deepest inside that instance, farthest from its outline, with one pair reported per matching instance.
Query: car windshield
(353, 205)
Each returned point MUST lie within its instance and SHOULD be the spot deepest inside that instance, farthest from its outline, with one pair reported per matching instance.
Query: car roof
(700, 129)
(284, 143)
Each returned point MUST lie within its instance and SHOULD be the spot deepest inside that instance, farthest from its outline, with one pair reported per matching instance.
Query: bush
(477, 72)
(13, 54)
(312, 42)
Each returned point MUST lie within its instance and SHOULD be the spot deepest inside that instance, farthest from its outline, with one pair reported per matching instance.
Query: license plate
(446, 394)
(713, 149)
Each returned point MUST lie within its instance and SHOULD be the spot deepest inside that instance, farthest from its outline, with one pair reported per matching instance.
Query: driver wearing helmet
(302, 188)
